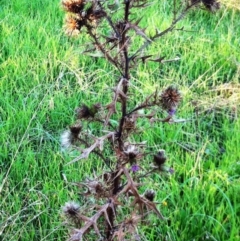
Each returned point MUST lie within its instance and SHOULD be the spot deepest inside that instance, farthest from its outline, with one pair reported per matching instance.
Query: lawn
(44, 76)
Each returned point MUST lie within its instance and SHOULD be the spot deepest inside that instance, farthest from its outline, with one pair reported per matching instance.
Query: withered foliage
(126, 163)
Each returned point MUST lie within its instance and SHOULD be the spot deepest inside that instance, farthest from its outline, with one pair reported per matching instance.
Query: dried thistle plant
(119, 184)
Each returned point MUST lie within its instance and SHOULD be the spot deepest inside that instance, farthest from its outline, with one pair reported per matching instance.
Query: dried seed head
(71, 210)
(132, 222)
(73, 6)
(72, 25)
(170, 98)
(67, 139)
(150, 195)
(94, 187)
(131, 152)
(211, 5)
(160, 158)
(75, 130)
(83, 112)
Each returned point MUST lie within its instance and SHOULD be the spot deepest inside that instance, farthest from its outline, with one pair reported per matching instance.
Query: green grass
(42, 80)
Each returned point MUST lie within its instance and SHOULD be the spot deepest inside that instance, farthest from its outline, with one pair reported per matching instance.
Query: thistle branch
(169, 29)
(102, 49)
(98, 143)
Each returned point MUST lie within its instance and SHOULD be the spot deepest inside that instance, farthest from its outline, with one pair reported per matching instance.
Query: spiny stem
(123, 46)
(126, 72)
(99, 45)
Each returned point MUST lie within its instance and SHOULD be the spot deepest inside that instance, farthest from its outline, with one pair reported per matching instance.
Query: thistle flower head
(135, 168)
(94, 186)
(66, 139)
(72, 25)
(131, 223)
(131, 151)
(150, 195)
(211, 5)
(69, 137)
(75, 130)
(71, 210)
(170, 99)
(160, 158)
(172, 112)
(86, 112)
(83, 112)
(73, 6)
